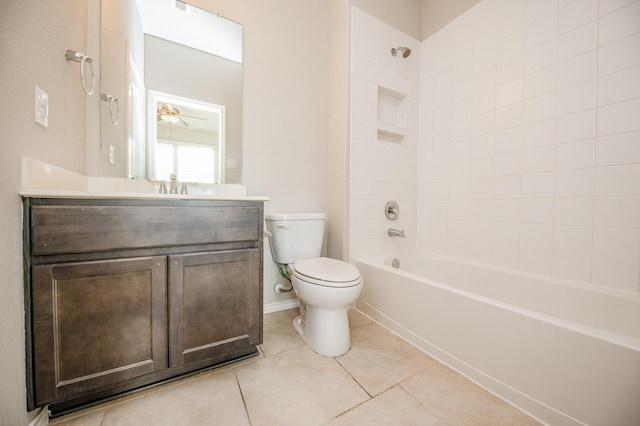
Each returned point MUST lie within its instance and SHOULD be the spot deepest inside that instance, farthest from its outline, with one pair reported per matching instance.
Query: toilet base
(325, 331)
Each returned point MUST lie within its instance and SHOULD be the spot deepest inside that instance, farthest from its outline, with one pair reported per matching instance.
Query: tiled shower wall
(386, 168)
(529, 152)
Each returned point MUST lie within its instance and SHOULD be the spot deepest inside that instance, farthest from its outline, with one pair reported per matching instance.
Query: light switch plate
(42, 108)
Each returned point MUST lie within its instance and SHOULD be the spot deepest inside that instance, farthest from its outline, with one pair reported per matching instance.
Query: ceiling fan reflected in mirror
(171, 115)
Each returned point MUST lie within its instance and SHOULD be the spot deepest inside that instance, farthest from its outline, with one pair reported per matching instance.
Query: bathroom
(297, 101)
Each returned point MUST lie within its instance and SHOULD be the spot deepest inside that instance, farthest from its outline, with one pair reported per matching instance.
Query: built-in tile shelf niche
(392, 115)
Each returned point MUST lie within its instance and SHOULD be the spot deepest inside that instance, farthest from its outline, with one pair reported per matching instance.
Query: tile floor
(382, 380)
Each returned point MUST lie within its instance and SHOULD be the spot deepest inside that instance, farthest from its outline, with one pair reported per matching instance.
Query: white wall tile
(481, 188)
(538, 185)
(622, 148)
(619, 118)
(577, 98)
(539, 133)
(577, 13)
(618, 180)
(542, 30)
(540, 108)
(537, 210)
(540, 82)
(480, 210)
(569, 266)
(536, 236)
(619, 55)
(509, 116)
(576, 126)
(505, 233)
(617, 212)
(529, 137)
(572, 239)
(535, 261)
(506, 211)
(574, 183)
(577, 69)
(535, 160)
(480, 252)
(573, 211)
(614, 273)
(574, 155)
(508, 140)
(508, 163)
(616, 243)
(509, 93)
(510, 69)
(536, 9)
(480, 231)
(578, 41)
(619, 86)
(541, 56)
(505, 256)
(608, 6)
(619, 24)
(506, 187)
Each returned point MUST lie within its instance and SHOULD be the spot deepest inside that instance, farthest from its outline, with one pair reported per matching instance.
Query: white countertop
(51, 193)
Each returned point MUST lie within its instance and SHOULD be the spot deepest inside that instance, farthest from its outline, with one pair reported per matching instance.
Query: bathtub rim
(629, 342)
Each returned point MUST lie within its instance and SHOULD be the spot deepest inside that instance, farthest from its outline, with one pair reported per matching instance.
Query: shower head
(405, 51)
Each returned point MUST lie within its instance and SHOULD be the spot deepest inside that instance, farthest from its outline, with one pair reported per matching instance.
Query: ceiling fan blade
(192, 116)
(185, 123)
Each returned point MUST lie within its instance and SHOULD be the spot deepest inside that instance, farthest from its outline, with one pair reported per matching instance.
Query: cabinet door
(215, 306)
(96, 324)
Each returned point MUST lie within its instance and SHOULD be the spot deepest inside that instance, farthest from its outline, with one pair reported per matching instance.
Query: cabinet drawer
(58, 229)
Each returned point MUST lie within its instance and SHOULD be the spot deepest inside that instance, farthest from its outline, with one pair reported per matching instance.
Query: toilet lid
(332, 272)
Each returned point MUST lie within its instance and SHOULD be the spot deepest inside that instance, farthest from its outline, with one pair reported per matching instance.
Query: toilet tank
(295, 236)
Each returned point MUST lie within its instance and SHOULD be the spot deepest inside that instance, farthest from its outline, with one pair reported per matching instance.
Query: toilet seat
(327, 272)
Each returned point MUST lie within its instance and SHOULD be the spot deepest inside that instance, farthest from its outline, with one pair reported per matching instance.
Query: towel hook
(113, 100)
(72, 55)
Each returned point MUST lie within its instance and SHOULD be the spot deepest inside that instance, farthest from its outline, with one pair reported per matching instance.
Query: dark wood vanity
(124, 293)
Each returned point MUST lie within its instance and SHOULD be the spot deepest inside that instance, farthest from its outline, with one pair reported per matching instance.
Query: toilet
(325, 287)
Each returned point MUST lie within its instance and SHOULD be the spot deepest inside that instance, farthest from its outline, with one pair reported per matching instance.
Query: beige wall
(438, 13)
(286, 115)
(33, 36)
(404, 15)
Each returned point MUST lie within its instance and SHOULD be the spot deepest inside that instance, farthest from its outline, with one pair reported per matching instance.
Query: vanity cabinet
(121, 294)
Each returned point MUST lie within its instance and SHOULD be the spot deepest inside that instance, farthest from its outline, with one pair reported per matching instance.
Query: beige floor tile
(455, 400)
(297, 387)
(358, 319)
(210, 399)
(393, 407)
(92, 418)
(378, 359)
(279, 334)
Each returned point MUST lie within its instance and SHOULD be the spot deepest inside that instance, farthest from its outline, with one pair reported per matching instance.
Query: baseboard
(42, 419)
(280, 306)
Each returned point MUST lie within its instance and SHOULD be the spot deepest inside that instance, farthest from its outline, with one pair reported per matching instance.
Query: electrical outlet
(112, 155)
(42, 108)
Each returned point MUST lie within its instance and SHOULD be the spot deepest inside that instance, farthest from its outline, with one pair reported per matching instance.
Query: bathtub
(565, 352)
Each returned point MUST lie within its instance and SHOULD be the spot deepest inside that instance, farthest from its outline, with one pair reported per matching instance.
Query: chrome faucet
(395, 233)
(173, 187)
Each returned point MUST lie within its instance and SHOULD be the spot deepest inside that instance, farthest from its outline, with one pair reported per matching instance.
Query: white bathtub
(564, 352)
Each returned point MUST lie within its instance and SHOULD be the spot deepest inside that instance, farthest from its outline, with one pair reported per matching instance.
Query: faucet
(173, 188)
(395, 233)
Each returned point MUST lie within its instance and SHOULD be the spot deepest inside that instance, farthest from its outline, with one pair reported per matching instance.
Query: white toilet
(325, 287)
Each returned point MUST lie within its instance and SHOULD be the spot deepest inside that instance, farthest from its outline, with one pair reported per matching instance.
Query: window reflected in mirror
(187, 139)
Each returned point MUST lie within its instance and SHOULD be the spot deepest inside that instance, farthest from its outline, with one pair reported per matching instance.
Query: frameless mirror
(175, 72)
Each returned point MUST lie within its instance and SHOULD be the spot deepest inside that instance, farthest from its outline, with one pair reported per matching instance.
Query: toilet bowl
(325, 287)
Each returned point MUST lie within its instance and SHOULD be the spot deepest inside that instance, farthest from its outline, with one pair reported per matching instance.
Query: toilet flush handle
(282, 226)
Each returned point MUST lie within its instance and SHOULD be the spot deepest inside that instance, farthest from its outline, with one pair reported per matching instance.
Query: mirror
(165, 63)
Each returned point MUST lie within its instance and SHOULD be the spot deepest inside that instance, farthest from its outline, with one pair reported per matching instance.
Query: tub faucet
(395, 233)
